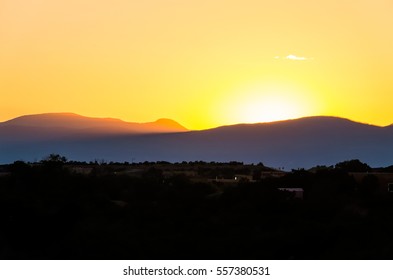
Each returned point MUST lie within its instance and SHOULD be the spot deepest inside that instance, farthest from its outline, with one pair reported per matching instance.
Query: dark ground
(50, 211)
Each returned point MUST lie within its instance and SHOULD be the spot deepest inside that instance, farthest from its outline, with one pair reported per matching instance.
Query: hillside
(290, 144)
(69, 125)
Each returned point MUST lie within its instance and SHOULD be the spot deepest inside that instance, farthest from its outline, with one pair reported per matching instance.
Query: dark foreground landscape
(58, 209)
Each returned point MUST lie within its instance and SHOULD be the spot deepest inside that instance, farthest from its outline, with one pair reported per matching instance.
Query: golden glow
(267, 102)
(186, 60)
(271, 108)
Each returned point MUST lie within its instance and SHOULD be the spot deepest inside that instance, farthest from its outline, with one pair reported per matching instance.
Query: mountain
(69, 125)
(304, 142)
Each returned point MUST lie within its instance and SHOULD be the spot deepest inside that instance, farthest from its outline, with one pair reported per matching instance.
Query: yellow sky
(203, 63)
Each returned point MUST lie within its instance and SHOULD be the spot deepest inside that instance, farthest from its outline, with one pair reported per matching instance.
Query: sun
(271, 108)
(268, 103)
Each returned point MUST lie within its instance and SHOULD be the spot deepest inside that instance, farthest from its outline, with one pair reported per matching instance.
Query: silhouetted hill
(296, 143)
(69, 125)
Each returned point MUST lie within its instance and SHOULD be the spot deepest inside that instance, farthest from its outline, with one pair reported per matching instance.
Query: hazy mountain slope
(60, 125)
(291, 144)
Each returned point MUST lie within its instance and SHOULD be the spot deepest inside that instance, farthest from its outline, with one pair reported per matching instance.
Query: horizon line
(207, 128)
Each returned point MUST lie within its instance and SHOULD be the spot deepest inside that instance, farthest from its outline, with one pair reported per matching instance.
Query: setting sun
(267, 102)
(270, 108)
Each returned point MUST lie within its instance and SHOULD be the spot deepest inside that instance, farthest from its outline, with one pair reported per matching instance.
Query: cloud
(294, 57)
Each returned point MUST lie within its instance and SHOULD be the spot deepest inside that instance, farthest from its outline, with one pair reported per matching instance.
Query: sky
(202, 63)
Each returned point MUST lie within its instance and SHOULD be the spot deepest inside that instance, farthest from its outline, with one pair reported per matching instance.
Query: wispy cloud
(294, 57)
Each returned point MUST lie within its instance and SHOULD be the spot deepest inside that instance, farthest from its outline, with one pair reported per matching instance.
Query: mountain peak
(169, 123)
(73, 122)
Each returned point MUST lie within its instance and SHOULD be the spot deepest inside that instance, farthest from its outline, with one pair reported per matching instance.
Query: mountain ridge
(298, 143)
(38, 118)
(77, 123)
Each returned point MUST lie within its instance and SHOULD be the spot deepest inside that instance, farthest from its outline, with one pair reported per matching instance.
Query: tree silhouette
(55, 158)
(354, 165)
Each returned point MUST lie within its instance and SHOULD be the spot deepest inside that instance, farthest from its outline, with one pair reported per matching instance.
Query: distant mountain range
(304, 142)
(70, 126)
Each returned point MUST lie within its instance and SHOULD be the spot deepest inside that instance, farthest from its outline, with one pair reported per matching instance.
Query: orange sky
(203, 63)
